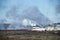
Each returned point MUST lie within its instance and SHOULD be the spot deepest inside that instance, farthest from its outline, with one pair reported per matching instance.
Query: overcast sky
(46, 7)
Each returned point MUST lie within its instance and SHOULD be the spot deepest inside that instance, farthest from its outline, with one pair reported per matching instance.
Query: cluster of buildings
(49, 27)
(35, 26)
(30, 25)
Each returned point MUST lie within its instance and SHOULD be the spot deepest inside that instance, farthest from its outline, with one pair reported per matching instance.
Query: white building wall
(38, 29)
(49, 28)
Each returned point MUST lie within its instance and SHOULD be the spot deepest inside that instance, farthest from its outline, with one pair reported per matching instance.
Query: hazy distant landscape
(29, 19)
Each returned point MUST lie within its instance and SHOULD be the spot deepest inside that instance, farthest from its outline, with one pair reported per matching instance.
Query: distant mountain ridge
(34, 14)
(31, 13)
